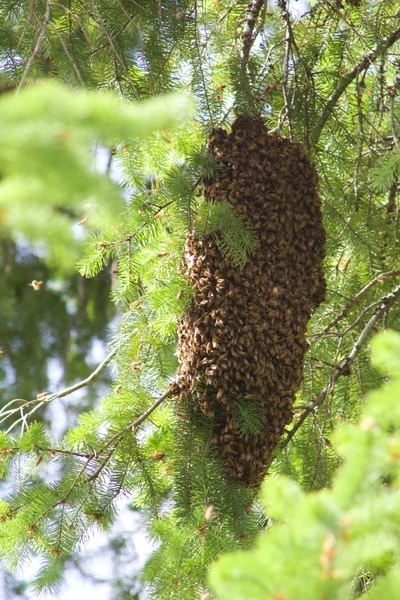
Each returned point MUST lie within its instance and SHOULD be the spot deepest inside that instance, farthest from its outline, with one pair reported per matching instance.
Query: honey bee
(35, 285)
(158, 455)
(257, 321)
(209, 513)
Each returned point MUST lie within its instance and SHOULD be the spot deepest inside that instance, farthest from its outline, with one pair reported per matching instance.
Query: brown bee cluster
(243, 339)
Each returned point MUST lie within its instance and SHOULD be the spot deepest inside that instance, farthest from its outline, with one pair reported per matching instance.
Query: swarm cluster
(243, 339)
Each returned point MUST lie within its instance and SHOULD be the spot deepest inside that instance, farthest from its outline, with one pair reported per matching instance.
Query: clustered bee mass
(243, 339)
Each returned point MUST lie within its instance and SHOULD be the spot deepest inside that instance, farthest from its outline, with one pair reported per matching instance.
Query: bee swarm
(243, 338)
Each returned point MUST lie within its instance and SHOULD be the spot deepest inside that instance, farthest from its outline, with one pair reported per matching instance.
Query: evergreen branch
(174, 200)
(34, 405)
(347, 79)
(345, 311)
(37, 47)
(117, 56)
(102, 465)
(252, 12)
(197, 44)
(391, 203)
(78, 21)
(392, 95)
(25, 29)
(70, 58)
(132, 426)
(61, 501)
(64, 498)
(60, 451)
(173, 390)
(129, 16)
(53, 451)
(135, 424)
(344, 366)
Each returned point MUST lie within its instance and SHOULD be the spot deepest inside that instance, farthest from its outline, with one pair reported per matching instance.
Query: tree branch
(348, 77)
(285, 111)
(7, 411)
(343, 368)
(37, 47)
(345, 311)
(118, 58)
(252, 12)
(69, 56)
(172, 391)
(135, 424)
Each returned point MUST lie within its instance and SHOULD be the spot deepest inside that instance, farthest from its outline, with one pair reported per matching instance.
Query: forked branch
(26, 408)
(345, 311)
(348, 77)
(344, 366)
(172, 391)
(37, 47)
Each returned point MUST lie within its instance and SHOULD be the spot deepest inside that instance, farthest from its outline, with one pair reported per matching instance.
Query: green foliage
(248, 418)
(209, 515)
(60, 130)
(337, 542)
(326, 78)
(233, 236)
(387, 172)
(53, 519)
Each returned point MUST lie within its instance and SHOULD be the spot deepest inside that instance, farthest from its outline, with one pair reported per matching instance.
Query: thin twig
(359, 90)
(345, 311)
(37, 47)
(117, 57)
(54, 451)
(6, 411)
(348, 77)
(360, 317)
(76, 18)
(345, 365)
(288, 38)
(70, 58)
(197, 45)
(392, 95)
(135, 424)
(28, 20)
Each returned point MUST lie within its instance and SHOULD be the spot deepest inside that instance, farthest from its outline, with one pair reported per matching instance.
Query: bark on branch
(348, 77)
(252, 12)
(345, 311)
(38, 45)
(172, 391)
(344, 366)
(26, 408)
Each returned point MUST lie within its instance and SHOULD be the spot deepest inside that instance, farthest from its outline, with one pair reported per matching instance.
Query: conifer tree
(326, 77)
